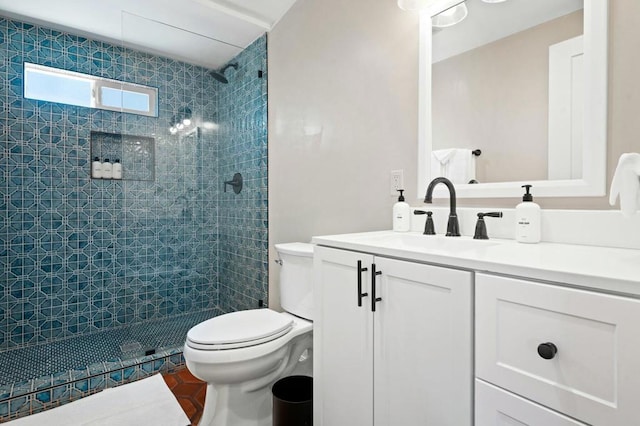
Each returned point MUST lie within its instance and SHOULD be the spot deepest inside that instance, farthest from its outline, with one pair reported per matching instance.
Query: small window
(57, 87)
(68, 87)
(126, 97)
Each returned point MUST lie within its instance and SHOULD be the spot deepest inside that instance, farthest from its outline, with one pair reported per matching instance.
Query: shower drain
(130, 347)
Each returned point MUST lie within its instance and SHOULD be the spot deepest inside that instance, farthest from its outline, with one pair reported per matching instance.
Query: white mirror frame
(594, 161)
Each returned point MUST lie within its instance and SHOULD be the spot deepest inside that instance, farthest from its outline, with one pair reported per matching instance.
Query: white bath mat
(145, 402)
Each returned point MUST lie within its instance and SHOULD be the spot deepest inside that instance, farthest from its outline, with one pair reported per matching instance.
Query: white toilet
(242, 354)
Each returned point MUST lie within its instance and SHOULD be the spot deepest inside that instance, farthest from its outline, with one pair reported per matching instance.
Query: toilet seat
(239, 330)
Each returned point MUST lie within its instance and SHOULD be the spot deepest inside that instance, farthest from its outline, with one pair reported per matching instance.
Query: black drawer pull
(547, 350)
(360, 293)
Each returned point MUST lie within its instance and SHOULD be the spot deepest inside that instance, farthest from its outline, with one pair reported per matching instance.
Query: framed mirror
(524, 82)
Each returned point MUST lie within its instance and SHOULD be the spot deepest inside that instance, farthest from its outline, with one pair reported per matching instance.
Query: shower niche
(136, 154)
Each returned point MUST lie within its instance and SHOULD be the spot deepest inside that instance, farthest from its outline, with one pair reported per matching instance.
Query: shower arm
(226, 67)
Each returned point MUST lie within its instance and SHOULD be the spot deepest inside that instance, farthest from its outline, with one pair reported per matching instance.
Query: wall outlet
(397, 182)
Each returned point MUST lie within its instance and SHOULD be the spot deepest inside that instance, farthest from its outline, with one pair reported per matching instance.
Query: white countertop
(601, 268)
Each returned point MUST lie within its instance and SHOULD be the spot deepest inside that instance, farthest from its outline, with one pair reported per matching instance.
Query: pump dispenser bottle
(107, 169)
(401, 214)
(96, 168)
(527, 219)
(116, 170)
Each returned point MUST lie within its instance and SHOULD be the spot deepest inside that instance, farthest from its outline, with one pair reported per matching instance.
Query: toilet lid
(239, 329)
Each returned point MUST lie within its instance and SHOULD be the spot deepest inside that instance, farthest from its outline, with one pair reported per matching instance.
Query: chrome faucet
(453, 229)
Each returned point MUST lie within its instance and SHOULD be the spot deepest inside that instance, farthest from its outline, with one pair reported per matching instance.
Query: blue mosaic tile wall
(81, 255)
(243, 226)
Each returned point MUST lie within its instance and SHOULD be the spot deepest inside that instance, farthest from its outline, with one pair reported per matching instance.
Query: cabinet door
(422, 345)
(496, 407)
(342, 339)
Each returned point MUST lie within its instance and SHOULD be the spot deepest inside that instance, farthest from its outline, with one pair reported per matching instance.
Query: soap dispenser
(96, 168)
(116, 170)
(527, 219)
(107, 169)
(401, 214)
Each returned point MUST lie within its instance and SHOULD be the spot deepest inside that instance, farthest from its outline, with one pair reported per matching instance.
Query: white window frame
(152, 92)
(97, 83)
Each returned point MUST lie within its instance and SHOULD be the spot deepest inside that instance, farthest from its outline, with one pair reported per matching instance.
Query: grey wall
(352, 67)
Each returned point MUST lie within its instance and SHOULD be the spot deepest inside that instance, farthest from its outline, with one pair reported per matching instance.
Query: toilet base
(230, 405)
(233, 405)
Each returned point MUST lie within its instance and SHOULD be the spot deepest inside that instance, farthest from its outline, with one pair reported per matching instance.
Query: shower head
(219, 75)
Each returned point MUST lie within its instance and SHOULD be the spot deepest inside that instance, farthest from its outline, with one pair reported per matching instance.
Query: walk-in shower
(102, 278)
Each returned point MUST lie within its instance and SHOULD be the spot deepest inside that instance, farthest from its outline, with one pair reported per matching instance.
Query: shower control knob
(547, 350)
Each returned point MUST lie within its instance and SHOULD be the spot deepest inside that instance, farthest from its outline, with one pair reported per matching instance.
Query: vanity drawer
(595, 374)
(497, 407)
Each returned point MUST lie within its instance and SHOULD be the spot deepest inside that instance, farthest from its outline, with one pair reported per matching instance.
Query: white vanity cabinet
(405, 359)
(574, 351)
(555, 339)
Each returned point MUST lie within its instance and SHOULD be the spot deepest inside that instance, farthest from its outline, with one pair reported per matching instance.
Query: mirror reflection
(507, 79)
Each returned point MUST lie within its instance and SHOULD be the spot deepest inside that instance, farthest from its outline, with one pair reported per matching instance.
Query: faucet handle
(481, 227)
(429, 228)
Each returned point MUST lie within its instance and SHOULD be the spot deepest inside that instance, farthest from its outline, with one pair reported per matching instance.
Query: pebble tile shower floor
(27, 385)
(27, 363)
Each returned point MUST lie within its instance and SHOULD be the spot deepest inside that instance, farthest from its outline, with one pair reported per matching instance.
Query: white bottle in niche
(401, 214)
(107, 169)
(96, 168)
(527, 219)
(116, 171)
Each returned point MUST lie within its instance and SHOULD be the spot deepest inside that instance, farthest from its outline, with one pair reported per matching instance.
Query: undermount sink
(420, 242)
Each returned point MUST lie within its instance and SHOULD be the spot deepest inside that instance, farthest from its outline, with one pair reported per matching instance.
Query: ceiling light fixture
(416, 4)
(450, 16)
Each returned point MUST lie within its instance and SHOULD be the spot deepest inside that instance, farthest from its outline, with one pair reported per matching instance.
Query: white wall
(352, 68)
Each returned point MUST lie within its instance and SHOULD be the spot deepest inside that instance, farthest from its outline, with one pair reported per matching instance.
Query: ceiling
(203, 32)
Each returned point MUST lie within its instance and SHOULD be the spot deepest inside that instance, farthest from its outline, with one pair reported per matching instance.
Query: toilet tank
(296, 278)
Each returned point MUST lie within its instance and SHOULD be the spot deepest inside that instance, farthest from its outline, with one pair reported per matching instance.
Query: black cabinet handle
(360, 293)
(374, 299)
(547, 350)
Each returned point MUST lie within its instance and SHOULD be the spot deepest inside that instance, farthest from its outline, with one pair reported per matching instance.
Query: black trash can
(293, 401)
